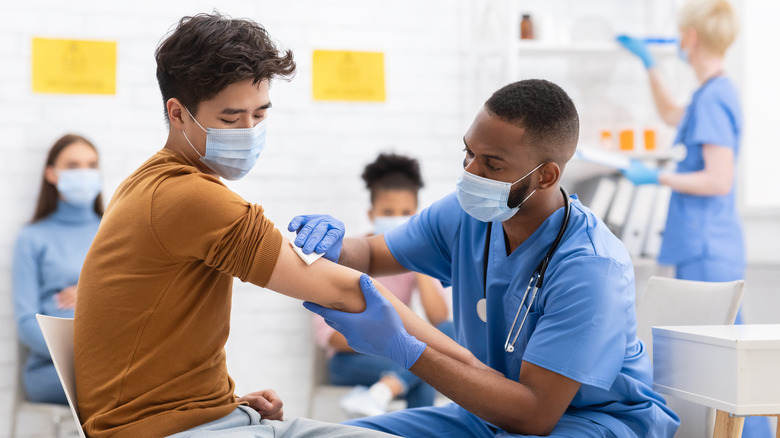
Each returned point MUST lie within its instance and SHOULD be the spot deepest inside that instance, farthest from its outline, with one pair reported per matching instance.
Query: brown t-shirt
(153, 310)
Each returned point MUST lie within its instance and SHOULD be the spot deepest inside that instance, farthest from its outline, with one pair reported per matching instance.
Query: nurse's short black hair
(545, 111)
(208, 52)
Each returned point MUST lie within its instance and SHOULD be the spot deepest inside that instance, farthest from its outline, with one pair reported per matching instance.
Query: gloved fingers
(316, 308)
(325, 313)
(296, 223)
(315, 236)
(305, 230)
(370, 291)
(332, 236)
(625, 40)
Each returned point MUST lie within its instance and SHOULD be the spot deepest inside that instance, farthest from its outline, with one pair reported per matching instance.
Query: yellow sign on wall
(73, 66)
(348, 76)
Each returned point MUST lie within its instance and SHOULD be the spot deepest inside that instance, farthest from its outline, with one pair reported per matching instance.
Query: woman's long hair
(47, 199)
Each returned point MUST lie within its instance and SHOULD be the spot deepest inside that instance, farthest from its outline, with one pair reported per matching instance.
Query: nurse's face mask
(486, 199)
(231, 153)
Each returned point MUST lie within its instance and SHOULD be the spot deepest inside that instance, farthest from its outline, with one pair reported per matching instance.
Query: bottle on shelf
(526, 28)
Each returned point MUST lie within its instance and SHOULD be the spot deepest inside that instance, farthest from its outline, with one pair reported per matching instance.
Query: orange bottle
(649, 139)
(626, 140)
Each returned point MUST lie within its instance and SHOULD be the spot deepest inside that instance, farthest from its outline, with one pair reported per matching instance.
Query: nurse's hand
(266, 402)
(377, 331)
(640, 174)
(638, 48)
(318, 233)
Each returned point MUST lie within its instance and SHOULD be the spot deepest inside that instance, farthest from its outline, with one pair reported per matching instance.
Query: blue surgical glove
(318, 233)
(640, 174)
(377, 331)
(638, 48)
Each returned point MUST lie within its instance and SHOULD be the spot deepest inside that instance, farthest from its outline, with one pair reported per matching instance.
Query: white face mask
(78, 187)
(231, 153)
(486, 199)
(383, 224)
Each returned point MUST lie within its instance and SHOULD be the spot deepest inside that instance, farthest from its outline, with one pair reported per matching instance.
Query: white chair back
(58, 334)
(668, 301)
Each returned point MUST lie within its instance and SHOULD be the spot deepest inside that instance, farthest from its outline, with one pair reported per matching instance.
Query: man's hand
(66, 298)
(377, 331)
(638, 48)
(266, 402)
(318, 233)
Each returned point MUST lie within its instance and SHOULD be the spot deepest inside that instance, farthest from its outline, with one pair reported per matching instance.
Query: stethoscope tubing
(537, 278)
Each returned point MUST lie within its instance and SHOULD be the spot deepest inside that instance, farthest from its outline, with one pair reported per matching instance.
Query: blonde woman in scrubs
(703, 235)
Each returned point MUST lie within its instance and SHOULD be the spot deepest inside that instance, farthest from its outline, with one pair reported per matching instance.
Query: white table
(732, 368)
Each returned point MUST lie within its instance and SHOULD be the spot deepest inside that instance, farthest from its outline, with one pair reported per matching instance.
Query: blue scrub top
(706, 226)
(582, 324)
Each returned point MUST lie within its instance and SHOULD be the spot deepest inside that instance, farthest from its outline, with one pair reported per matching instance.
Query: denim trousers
(245, 422)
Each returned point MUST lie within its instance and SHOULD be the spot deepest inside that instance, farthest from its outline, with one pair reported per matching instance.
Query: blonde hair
(715, 22)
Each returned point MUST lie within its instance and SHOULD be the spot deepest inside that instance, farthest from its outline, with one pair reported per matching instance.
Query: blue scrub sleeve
(27, 295)
(713, 122)
(583, 331)
(424, 243)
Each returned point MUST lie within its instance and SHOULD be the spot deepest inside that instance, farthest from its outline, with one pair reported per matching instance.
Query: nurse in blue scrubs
(703, 234)
(570, 365)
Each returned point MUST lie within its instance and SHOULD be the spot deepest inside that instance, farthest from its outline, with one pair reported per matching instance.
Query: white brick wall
(442, 59)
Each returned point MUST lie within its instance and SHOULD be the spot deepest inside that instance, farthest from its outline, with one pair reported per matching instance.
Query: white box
(733, 368)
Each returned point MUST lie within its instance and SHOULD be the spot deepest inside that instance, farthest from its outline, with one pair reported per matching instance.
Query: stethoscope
(537, 278)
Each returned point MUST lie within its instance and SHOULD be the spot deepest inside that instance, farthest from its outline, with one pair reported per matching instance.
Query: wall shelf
(531, 47)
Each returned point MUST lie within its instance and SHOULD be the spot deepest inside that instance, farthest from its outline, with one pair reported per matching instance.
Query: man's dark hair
(392, 172)
(208, 52)
(545, 111)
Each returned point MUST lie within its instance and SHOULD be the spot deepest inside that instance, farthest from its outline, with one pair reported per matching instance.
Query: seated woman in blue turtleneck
(49, 253)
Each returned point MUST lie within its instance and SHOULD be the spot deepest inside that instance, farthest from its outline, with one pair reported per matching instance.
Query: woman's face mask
(231, 153)
(78, 187)
(486, 199)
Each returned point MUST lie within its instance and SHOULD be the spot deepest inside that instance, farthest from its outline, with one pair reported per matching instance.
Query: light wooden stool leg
(727, 426)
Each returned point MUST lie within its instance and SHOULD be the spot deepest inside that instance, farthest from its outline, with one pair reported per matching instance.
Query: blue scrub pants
(43, 385)
(358, 369)
(453, 421)
(718, 271)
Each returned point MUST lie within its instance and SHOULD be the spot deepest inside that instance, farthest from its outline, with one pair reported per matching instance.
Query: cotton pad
(308, 258)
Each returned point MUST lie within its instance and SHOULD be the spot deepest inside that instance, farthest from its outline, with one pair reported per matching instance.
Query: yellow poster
(348, 76)
(73, 66)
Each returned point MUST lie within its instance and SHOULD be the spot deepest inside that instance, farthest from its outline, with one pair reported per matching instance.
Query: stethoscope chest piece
(482, 309)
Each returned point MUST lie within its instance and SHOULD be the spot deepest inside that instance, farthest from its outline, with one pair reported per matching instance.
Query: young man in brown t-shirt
(155, 292)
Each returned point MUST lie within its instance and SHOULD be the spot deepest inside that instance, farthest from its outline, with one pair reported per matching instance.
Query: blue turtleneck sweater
(47, 259)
